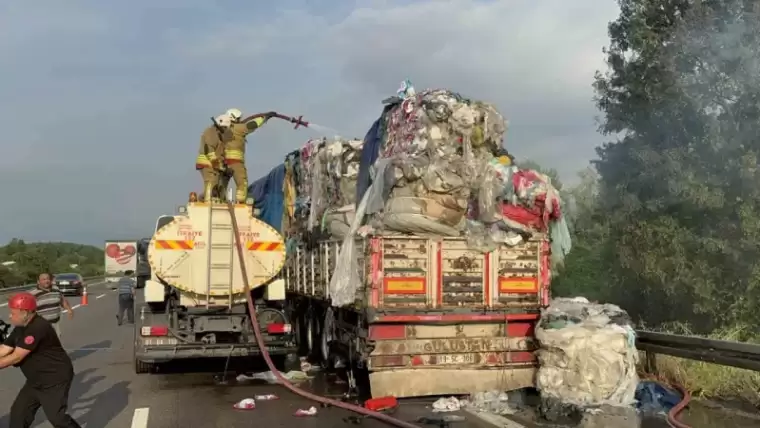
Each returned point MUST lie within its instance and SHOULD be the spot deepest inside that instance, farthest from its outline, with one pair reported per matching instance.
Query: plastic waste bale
(323, 174)
(436, 144)
(587, 357)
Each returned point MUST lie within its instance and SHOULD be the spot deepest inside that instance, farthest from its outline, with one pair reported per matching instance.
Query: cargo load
(420, 254)
(588, 357)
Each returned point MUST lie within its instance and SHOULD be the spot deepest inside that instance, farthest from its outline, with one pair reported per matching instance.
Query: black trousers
(54, 401)
(126, 303)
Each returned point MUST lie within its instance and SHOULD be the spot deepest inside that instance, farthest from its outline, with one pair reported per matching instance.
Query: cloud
(107, 101)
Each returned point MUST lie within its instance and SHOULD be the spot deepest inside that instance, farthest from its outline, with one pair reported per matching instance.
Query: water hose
(678, 408)
(265, 353)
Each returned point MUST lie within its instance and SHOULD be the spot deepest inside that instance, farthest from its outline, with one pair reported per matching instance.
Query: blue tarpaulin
(373, 143)
(268, 196)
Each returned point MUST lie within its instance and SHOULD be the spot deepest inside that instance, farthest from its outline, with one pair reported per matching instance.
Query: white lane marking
(140, 418)
(99, 296)
(2, 305)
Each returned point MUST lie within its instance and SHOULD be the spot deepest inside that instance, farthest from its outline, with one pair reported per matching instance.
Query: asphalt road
(107, 393)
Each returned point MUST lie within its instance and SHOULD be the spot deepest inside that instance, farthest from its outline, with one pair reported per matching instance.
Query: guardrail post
(650, 362)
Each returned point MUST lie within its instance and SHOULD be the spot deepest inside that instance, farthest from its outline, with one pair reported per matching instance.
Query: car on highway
(69, 283)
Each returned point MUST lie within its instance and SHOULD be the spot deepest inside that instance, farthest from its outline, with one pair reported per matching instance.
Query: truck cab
(193, 303)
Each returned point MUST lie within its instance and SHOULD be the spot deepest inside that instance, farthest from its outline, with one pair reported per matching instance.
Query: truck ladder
(220, 252)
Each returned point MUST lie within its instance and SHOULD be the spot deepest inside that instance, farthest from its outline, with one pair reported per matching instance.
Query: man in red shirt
(34, 347)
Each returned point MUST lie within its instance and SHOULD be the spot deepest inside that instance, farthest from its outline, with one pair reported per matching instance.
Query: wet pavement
(107, 393)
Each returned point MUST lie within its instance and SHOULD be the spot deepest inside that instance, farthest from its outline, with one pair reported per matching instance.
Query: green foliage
(57, 257)
(672, 223)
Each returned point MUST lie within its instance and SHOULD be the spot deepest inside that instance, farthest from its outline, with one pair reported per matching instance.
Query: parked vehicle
(194, 301)
(69, 284)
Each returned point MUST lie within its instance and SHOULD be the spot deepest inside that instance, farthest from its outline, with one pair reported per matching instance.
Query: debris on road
(440, 421)
(311, 411)
(267, 397)
(450, 404)
(269, 377)
(496, 402)
(245, 404)
(381, 404)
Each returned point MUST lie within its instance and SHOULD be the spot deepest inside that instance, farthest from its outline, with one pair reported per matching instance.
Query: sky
(102, 103)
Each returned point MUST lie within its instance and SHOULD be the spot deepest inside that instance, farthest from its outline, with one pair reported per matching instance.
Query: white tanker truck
(194, 301)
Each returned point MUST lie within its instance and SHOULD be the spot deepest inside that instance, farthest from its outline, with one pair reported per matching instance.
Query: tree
(31, 259)
(679, 185)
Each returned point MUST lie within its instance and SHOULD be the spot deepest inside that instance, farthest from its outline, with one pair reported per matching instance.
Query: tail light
(155, 330)
(77, 283)
(278, 328)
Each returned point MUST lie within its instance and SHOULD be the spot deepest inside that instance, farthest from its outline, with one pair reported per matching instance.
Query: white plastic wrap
(587, 354)
(346, 278)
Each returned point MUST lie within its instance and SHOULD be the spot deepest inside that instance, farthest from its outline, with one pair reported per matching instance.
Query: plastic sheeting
(268, 197)
(587, 355)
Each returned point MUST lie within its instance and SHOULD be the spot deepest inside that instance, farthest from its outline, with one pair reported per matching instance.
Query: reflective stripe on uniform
(202, 162)
(232, 154)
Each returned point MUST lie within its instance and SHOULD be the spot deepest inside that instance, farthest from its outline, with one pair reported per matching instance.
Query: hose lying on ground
(265, 353)
(678, 408)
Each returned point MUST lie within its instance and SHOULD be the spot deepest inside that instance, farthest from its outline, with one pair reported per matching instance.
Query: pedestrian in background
(50, 301)
(126, 288)
(35, 348)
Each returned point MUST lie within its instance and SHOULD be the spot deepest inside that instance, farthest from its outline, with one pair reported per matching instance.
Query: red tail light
(278, 328)
(155, 330)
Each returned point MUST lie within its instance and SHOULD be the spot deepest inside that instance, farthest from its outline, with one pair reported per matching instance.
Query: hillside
(22, 262)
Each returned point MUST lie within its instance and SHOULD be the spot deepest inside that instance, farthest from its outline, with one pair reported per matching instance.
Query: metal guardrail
(726, 353)
(7, 290)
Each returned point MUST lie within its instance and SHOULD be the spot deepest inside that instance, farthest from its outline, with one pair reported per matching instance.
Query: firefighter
(209, 160)
(234, 152)
(34, 347)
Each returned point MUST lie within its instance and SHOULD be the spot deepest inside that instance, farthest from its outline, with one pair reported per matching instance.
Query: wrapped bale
(434, 146)
(324, 175)
(587, 358)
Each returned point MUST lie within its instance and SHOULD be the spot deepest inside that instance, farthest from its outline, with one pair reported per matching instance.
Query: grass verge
(713, 381)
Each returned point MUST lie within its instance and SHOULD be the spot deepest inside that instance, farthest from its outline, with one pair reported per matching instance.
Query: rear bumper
(70, 291)
(155, 353)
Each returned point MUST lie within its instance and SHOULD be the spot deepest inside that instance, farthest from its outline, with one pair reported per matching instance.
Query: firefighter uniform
(208, 162)
(234, 154)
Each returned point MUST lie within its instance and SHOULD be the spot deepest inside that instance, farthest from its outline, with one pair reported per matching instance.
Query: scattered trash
(496, 402)
(311, 411)
(308, 367)
(440, 421)
(245, 404)
(654, 398)
(451, 404)
(380, 404)
(267, 397)
(293, 376)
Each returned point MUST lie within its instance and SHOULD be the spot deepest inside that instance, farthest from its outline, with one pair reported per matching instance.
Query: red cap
(23, 301)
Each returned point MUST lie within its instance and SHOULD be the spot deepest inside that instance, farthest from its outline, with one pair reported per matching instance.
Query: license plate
(455, 359)
(64, 283)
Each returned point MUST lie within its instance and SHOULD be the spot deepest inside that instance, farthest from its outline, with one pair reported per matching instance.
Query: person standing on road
(50, 302)
(35, 348)
(126, 298)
